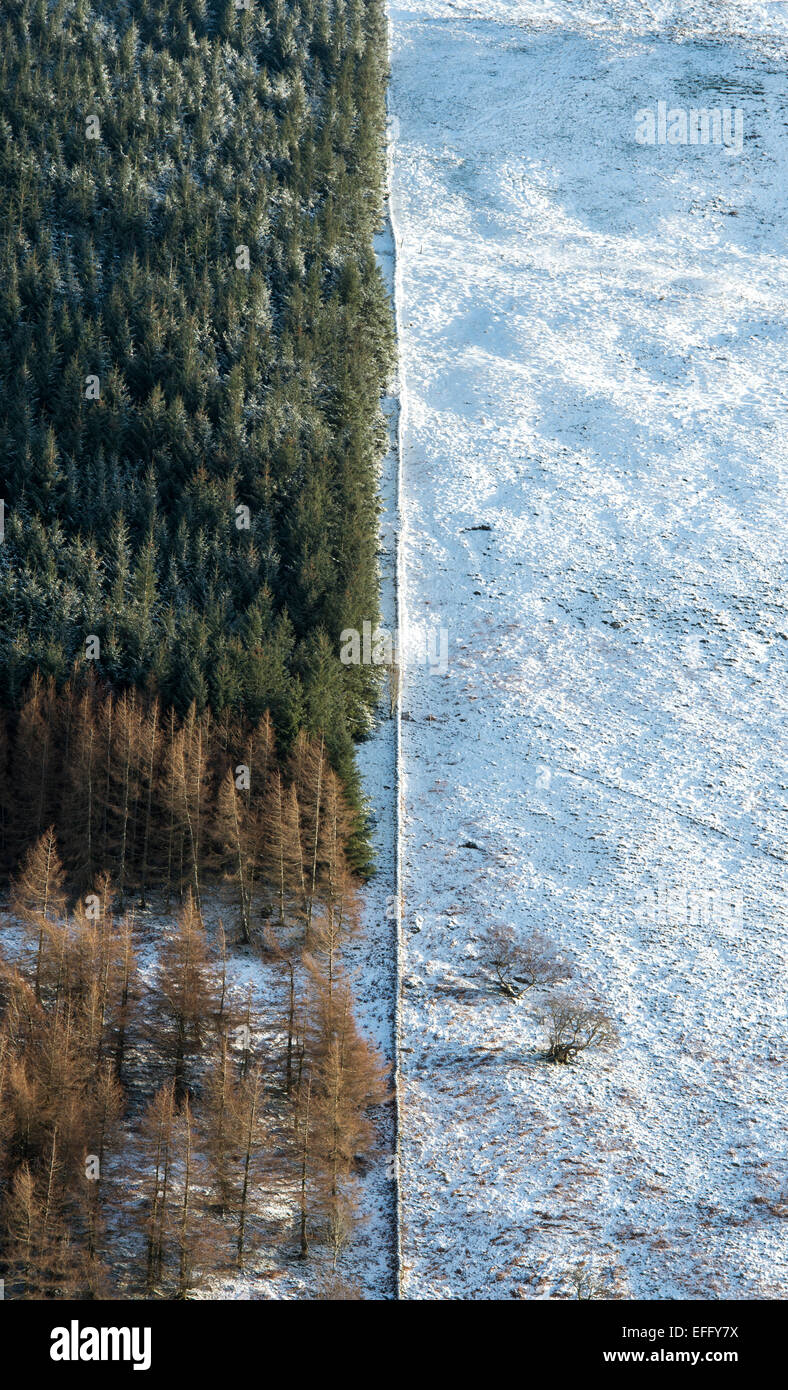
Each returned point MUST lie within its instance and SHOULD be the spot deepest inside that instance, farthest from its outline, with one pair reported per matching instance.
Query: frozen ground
(593, 355)
(272, 1268)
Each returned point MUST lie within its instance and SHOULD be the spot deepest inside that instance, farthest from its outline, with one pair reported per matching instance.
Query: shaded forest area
(194, 341)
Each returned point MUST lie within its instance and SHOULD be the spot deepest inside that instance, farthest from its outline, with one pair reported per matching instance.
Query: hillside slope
(594, 457)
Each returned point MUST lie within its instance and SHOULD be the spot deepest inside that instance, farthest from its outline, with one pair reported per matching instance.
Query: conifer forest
(195, 341)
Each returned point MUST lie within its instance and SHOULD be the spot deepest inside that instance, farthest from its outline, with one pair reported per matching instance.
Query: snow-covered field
(595, 425)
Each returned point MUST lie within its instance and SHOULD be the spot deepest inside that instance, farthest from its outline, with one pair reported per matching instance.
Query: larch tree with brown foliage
(103, 1110)
(31, 1250)
(309, 767)
(288, 905)
(125, 995)
(219, 1092)
(305, 1150)
(176, 1234)
(338, 891)
(235, 835)
(249, 1123)
(258, 750)
(122, 786)
(192, 781)
(281, 852)
(346, 1080)
(151, 742)
(188, 1209)
(33, 769)
(82, 816)
(36, 1227)
(106, 740)
(187, 987)
(349, 1077)
(157, 1132)
(38, 891)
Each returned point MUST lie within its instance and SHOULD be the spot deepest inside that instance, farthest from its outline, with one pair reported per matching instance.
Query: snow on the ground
(272, 1269)
(593, 357)
(367, 1263)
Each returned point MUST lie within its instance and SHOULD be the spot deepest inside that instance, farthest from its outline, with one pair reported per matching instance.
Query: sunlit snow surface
(593, 365)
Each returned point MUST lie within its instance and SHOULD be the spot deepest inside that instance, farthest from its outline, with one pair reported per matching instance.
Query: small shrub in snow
(588, 1282)
(573, 1025)
(773, 1200)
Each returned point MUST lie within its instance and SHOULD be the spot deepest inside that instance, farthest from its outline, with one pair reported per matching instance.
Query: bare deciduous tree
(575, 1024)
(590, 1283)
(518, 963)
